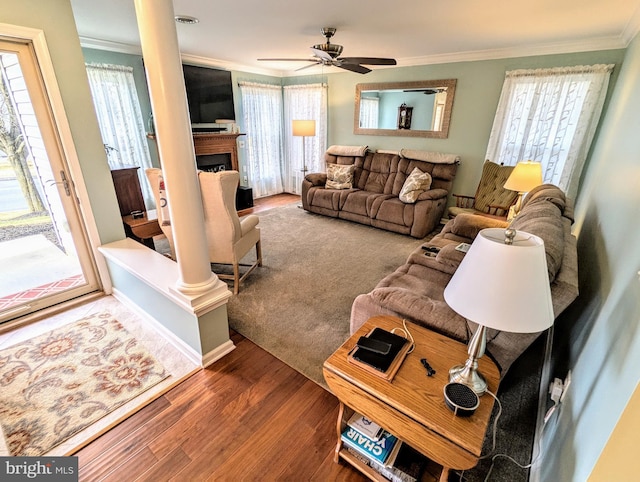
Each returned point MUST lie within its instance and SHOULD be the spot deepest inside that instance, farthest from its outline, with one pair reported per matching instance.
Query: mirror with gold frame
(378, 106)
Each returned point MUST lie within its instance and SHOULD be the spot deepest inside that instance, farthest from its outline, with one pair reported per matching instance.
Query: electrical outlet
(567, 382)
(241, 144)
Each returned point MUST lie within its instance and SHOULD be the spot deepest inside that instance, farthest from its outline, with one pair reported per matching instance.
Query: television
(210, 97)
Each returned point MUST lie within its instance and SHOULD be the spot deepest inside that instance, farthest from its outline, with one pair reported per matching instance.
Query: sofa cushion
(339, 176)
(414, 185)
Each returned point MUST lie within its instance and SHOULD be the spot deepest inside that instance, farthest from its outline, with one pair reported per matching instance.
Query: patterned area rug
(59, 383)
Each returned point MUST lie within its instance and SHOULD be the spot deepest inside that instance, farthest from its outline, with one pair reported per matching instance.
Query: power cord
(407, 334)
(493, 446)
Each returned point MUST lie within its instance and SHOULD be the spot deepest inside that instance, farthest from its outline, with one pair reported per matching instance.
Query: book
(376, 450)
(384, 366)
(408, 466)
(365, 426)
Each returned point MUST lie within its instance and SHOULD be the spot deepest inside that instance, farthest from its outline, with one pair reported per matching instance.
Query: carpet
(57, 384)
(297, 306)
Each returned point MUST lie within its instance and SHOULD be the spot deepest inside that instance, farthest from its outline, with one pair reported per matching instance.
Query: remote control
(375, 346)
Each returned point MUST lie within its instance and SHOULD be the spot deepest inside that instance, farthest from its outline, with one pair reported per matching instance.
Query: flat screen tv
(209, 95)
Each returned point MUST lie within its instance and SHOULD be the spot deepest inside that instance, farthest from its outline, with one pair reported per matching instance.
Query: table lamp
(304, 128)
(502, 283)
(524, 177)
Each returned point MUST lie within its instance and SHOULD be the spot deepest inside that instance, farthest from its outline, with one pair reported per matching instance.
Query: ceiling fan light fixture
(332, 49)
(186, 19)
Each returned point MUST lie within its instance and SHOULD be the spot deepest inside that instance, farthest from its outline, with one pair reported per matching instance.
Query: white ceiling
(235, 33)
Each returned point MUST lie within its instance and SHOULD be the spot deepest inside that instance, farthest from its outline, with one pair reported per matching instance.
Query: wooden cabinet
(128, 190)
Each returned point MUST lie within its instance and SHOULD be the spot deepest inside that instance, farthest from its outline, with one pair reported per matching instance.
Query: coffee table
(411, 406)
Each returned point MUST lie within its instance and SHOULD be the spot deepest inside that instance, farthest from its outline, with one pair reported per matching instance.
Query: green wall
(604, 334)
(478, 89)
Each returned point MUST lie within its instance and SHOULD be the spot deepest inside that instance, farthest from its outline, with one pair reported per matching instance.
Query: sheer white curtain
(262, 121)
(120, 119)
(549, 116)
(304, 102)
(369, 108)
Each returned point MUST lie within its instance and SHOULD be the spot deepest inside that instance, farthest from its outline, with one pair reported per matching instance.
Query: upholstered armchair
(229, 237)
(491, 198)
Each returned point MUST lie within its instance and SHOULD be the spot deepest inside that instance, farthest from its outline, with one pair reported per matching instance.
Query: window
(369, 108)
(120, 119)
(304, 102)
(549, 116)
(262, 119)
(273, 155)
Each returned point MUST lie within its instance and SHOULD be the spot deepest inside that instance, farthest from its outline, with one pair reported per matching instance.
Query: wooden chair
(491, 198)
(229, 237)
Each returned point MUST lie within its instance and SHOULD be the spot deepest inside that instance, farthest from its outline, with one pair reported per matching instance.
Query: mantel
(215, 143)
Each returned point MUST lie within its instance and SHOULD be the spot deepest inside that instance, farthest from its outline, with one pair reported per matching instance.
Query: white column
(163, 67)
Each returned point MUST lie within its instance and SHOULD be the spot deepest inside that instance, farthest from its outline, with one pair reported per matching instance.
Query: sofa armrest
(316, 178)
(433, 194)
(469, 225)
(465, 202)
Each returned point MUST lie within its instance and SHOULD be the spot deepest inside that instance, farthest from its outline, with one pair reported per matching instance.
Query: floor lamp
(304, 128)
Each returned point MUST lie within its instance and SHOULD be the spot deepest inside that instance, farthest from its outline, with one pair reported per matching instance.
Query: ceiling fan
(328, 54)
(437, 90)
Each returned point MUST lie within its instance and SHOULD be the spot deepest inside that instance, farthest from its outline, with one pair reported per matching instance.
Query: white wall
(604, 351)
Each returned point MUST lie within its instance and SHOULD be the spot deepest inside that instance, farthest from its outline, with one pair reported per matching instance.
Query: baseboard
(217, 353)
(180, 345)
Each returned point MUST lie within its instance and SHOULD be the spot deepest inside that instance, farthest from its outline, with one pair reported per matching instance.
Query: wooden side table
(143, 229)
(411, 406)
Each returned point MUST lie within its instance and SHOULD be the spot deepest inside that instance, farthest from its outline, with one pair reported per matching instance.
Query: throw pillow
(340, 176)
(417, 183)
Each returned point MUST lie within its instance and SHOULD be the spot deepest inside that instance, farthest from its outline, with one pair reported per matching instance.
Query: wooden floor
(261, 204)
(247, 417)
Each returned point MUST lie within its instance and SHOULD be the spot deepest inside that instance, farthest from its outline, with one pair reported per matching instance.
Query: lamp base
(469, 376)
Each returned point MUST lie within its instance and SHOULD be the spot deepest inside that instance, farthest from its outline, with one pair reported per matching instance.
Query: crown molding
(606, 43)
(124, 48)
(632, 28)
(603, 43)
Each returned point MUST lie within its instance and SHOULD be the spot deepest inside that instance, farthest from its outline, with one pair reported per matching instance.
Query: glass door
(44, 253)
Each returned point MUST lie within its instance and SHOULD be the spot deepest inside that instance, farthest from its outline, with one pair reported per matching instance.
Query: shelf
(360, 466)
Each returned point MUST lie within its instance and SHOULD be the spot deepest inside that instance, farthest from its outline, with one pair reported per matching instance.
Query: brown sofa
(415, 290)
(378, 179)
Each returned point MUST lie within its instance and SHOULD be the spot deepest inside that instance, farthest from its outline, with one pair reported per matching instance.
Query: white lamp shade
(524, 177)
(502, 286)
(305, 128)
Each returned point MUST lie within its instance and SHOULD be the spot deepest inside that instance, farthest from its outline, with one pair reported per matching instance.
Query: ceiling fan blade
(426, 91)
(308, 66)
(360, 69)
(308, 59)
(321, 54)
(368, 60)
